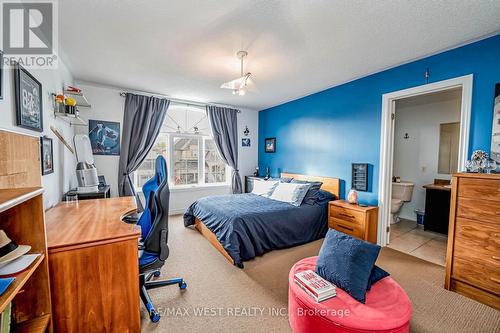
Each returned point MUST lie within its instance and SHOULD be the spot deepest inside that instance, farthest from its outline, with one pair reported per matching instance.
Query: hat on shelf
(10, 250)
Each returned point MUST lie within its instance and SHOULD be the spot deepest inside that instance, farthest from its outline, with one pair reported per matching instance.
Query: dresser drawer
(477, 241)
(477, 274)
(347, 215)
(483, 189)
(347, 227)
(487, 211)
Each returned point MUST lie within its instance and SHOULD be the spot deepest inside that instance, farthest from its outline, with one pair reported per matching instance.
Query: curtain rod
(181, 101)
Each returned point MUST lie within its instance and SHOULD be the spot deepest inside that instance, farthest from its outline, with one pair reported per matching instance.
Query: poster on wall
(28, 100)
(495, 138)
(104, 137)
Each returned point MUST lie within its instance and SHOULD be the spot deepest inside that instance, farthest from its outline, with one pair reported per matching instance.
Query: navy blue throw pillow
(376, 275)
(312, 194)
(347, 262)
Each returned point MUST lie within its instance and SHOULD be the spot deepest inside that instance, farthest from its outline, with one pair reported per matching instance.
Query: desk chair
(148, 188)
(155, 248)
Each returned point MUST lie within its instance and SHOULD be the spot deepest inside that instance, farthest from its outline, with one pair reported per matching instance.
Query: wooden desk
(93, 263)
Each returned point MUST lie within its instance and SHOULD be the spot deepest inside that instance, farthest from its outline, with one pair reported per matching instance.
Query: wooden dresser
(473, 256)
(354, 220)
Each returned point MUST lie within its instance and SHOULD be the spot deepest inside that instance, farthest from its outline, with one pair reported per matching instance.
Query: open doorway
(426, 145)
(389, 106)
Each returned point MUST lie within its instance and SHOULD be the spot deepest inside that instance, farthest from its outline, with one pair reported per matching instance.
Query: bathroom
(426, 144)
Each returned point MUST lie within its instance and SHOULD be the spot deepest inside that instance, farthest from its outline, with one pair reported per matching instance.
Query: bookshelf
(22, 217)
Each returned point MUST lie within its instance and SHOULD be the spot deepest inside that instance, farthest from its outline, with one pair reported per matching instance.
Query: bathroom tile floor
(427, 245)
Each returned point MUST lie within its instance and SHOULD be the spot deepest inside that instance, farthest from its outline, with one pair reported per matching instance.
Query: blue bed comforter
(248, 225)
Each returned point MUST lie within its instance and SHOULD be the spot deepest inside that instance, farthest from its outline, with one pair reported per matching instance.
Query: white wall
(53, 81)
(107, 104)
(416, 158)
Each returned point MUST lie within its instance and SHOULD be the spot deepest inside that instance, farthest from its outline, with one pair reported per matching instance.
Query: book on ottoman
(313, 284)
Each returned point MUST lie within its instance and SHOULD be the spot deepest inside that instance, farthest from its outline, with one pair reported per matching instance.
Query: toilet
(401, 193)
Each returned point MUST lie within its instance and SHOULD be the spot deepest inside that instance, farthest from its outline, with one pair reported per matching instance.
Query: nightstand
(354, 220)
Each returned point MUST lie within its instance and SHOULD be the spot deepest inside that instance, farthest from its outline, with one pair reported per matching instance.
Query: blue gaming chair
(154, 229)
(149, 188)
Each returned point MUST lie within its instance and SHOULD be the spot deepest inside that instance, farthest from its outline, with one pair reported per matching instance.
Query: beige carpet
(223, 298)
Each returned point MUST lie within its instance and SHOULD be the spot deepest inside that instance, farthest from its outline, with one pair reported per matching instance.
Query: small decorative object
(70, 105)
(407, 136)
(256, 172)
(489, 165)
(246, 131)
(495, 134)
(62, 139)
(270, 145)
(104, 137)
(245, 142)
(479, 158)
(47, 154)
(28, 100)
(352, 197)
(268, 173)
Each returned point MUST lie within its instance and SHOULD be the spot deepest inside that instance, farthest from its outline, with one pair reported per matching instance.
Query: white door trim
(387, 139)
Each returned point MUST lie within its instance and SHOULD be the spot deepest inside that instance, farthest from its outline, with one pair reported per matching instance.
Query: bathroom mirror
(449, 136)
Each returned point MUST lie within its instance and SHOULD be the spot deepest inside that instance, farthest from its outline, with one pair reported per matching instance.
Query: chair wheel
(157, 274)
(154, 316)
(183, 285)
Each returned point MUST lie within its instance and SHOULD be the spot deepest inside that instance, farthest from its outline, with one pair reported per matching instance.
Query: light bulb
(235, 91)
(241, 92)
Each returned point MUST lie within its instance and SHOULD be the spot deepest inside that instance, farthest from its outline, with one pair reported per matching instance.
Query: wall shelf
(71, 119)
(80, 98)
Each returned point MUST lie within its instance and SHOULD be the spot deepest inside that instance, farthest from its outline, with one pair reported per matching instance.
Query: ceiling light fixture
(238, 85)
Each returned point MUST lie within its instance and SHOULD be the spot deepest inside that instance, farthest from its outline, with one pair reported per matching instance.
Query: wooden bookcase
(22, 217)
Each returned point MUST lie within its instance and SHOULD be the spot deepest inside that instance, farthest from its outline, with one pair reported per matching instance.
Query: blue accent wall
(323, 133)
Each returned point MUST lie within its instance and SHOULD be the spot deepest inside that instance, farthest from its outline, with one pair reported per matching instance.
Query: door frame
(387, 139)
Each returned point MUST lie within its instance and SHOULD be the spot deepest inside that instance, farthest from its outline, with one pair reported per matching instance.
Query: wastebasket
(420, 217)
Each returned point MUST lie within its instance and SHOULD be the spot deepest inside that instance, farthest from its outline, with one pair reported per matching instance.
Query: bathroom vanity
(437, 207)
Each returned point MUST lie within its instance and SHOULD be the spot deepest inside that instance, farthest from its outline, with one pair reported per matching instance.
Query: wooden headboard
(330, 184)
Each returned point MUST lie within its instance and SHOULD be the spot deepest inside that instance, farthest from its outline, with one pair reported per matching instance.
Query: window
(191, 155)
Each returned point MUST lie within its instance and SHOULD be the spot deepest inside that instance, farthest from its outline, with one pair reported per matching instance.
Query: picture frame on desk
(47, 155)
(29, 106)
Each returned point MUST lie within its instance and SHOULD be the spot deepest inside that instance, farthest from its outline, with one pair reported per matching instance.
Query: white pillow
(292, 193)
(264, 187)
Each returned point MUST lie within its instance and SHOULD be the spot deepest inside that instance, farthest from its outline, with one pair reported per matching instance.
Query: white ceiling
(186, 49)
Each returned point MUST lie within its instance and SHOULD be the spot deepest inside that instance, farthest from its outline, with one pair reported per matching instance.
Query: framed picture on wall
(270, 145)
(495, 133)
(28, 100)
(104, 137)
(47, 154)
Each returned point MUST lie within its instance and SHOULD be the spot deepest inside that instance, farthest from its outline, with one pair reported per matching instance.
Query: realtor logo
(29, 33)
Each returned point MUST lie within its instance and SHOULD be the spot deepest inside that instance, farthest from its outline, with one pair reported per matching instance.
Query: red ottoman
(387, 308)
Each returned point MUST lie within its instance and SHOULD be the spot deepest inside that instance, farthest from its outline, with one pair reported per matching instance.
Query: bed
(244, 226)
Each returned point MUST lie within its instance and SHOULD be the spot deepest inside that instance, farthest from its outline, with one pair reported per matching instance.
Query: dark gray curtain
(223, 122)
(142, 120)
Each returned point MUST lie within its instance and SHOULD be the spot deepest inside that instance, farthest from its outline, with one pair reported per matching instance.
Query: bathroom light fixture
(238, 85)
